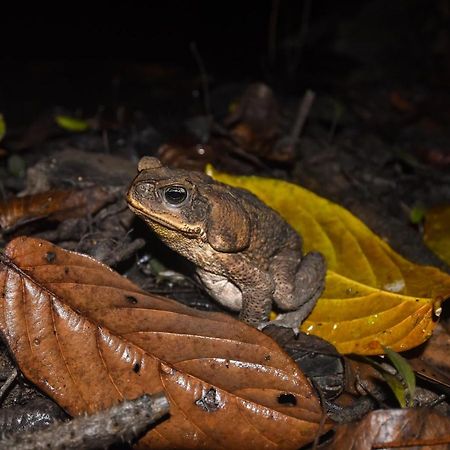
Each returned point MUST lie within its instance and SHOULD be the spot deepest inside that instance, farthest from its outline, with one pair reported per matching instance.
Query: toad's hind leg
(298, 286)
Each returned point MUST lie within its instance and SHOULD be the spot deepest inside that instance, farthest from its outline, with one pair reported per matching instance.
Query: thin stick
(121, 423)
(302, 114)
(9, 381)
(203, 78)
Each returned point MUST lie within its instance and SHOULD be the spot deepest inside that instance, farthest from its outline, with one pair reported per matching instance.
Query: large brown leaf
(89, 338)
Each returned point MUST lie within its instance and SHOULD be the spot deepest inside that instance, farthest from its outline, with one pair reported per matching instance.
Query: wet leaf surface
(373, 297)
(90, 338)
(400, 428)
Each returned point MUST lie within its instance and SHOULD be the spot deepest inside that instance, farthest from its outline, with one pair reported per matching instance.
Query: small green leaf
(417, 214)
(71, 123)
(397, 388)
(399, 376)
(405, 378)
(2, 127)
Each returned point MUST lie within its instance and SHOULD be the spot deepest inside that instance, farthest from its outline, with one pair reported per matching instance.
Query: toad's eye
(175, 195)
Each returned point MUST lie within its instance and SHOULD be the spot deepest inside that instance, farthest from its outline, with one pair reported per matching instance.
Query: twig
(125, 422)
(9, 381)
(122, 252)
(302, 114)
(203, 78)
(304, 107)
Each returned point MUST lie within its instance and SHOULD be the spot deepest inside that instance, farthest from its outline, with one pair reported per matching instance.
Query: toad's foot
(293, 319)
(309, 283)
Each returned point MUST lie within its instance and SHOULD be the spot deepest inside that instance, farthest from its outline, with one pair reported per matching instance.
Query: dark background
(133, 53)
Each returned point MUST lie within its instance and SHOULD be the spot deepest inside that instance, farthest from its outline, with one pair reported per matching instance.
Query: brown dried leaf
(254, 123)
(56, 205)
(431, 361)
(399, 428)
(188, 153)
(90, 338)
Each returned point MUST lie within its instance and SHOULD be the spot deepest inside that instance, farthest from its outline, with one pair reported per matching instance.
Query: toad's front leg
(257, 290)
(246, 289)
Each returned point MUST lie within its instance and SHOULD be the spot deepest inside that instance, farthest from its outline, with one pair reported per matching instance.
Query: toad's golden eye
(175, 195)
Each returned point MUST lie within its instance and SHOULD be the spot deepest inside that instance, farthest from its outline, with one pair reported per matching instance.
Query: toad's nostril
(143, 188)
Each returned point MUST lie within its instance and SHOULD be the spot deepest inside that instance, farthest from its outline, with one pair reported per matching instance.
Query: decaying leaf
(432, 362)
(253, 122)
(56, 205)
(373, 297)
(397, 428)
(437, 231)
(90, 338)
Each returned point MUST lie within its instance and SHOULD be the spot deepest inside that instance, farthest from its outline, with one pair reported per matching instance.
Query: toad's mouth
(191, 231)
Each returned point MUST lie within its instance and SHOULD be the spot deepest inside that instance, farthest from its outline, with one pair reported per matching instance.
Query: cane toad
(246, 255)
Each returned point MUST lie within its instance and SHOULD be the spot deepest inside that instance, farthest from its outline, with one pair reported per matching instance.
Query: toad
(246, 255)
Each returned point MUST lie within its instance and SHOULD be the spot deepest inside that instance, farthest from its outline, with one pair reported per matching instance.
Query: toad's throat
(185, 229)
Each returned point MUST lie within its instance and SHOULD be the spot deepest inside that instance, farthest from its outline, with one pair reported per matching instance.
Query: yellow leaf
(437, 231)
(373, 297)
